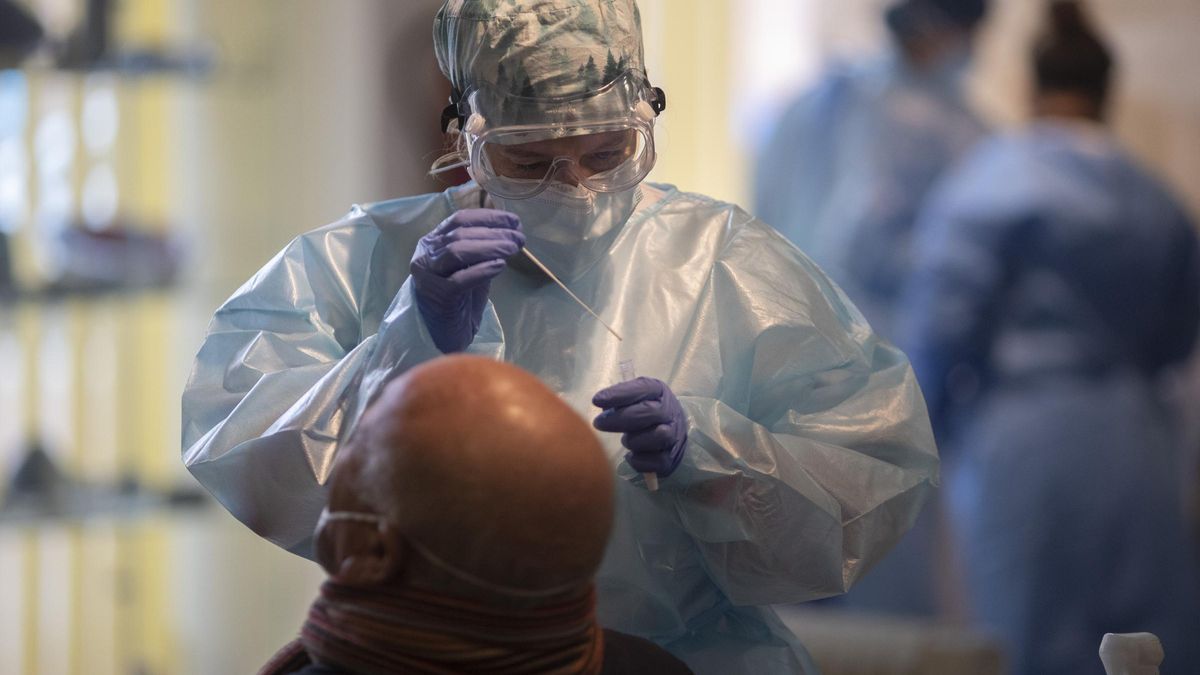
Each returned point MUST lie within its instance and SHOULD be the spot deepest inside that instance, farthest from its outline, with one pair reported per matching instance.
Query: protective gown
(810, 449)
(847, 167)
(843, 176)
(1056, 280)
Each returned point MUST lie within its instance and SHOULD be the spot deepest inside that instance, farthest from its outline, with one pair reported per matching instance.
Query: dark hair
(910, 19)
(1070, 56)
(20, 34)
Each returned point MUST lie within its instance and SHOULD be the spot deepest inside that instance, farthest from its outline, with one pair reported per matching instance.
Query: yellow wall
(688, 53)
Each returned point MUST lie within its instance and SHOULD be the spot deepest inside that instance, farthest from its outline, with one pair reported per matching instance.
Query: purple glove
(452, 270)
(651, 419)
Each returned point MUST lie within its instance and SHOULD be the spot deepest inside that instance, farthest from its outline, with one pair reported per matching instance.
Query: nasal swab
(535, 261)
(627, 374)
(650, 477)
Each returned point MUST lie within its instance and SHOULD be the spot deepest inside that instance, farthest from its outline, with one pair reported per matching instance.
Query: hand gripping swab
(533, 259)
(650, 477)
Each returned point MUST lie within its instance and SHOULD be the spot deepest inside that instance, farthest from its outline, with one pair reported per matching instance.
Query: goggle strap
(659, 102)
(453, 111)
(450, 114)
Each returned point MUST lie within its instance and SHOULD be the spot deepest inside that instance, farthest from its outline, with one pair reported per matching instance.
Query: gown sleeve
(815, 454)
(285, 371)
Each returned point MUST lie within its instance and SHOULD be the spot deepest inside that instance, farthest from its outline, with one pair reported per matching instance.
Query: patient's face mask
(379, 522)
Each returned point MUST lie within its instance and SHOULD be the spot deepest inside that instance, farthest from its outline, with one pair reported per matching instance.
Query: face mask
(378, 522)
(570, 228)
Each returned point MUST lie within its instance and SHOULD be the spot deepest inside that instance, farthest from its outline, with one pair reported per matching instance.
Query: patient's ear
(359, 553)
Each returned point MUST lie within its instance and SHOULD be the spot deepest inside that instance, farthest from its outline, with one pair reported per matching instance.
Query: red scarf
(383, 631)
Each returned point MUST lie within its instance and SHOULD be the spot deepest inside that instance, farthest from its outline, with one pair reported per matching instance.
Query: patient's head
(475, 463)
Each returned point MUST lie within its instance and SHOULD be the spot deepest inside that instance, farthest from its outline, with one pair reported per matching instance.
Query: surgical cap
(537, 48)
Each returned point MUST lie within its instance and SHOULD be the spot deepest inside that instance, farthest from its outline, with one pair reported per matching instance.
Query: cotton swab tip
(651, 479)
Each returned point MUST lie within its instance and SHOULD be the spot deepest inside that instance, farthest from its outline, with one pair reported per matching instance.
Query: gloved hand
(652, 420)
(452, 270)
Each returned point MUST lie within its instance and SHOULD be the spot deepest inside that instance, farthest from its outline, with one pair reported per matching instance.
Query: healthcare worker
(1056, 281)
(792, 446)
(846, 168)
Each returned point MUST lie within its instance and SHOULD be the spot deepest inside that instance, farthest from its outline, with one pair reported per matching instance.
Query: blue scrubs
(1055, 281)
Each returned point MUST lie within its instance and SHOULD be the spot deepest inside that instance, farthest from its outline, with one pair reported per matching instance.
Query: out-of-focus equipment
(39, 490)
(1131, 653)
(115, 258)
(91, 46)
(73, 259)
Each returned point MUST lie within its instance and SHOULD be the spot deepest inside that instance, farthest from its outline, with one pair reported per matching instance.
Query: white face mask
(570, 228)
(379, 522)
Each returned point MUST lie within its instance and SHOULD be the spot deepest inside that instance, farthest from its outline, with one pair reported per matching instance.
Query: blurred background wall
(307, 107)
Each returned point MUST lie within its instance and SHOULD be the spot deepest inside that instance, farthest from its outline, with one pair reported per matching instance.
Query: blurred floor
(843, 643)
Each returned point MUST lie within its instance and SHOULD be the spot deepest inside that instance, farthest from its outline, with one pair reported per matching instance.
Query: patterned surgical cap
(537, 48)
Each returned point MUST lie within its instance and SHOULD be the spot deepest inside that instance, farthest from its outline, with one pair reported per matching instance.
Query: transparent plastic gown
(846, 170)
(810, 450)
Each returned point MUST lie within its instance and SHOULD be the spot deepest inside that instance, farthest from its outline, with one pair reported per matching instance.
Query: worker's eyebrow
(519, 153)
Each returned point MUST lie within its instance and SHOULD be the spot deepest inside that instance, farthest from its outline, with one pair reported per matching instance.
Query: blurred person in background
(792, 444)
(1056, 281)
(843, 176)
(433, 569)
(847, 166)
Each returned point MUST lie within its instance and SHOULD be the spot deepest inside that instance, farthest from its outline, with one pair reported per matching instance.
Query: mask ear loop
(500, 589)
(325, 547)
(328, 516)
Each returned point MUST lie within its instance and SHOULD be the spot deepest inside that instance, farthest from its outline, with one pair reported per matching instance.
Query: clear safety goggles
(603, 140)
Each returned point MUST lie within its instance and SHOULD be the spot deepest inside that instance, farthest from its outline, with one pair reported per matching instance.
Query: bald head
(480, 463)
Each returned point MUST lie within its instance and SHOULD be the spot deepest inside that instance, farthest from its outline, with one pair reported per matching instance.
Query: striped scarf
(372, 631)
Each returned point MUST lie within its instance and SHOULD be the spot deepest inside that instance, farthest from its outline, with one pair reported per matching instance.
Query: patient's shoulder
(628, 654)
(314, 669)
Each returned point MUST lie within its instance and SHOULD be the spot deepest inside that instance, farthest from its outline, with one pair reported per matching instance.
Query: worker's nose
(571, 173)
(568, 177)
